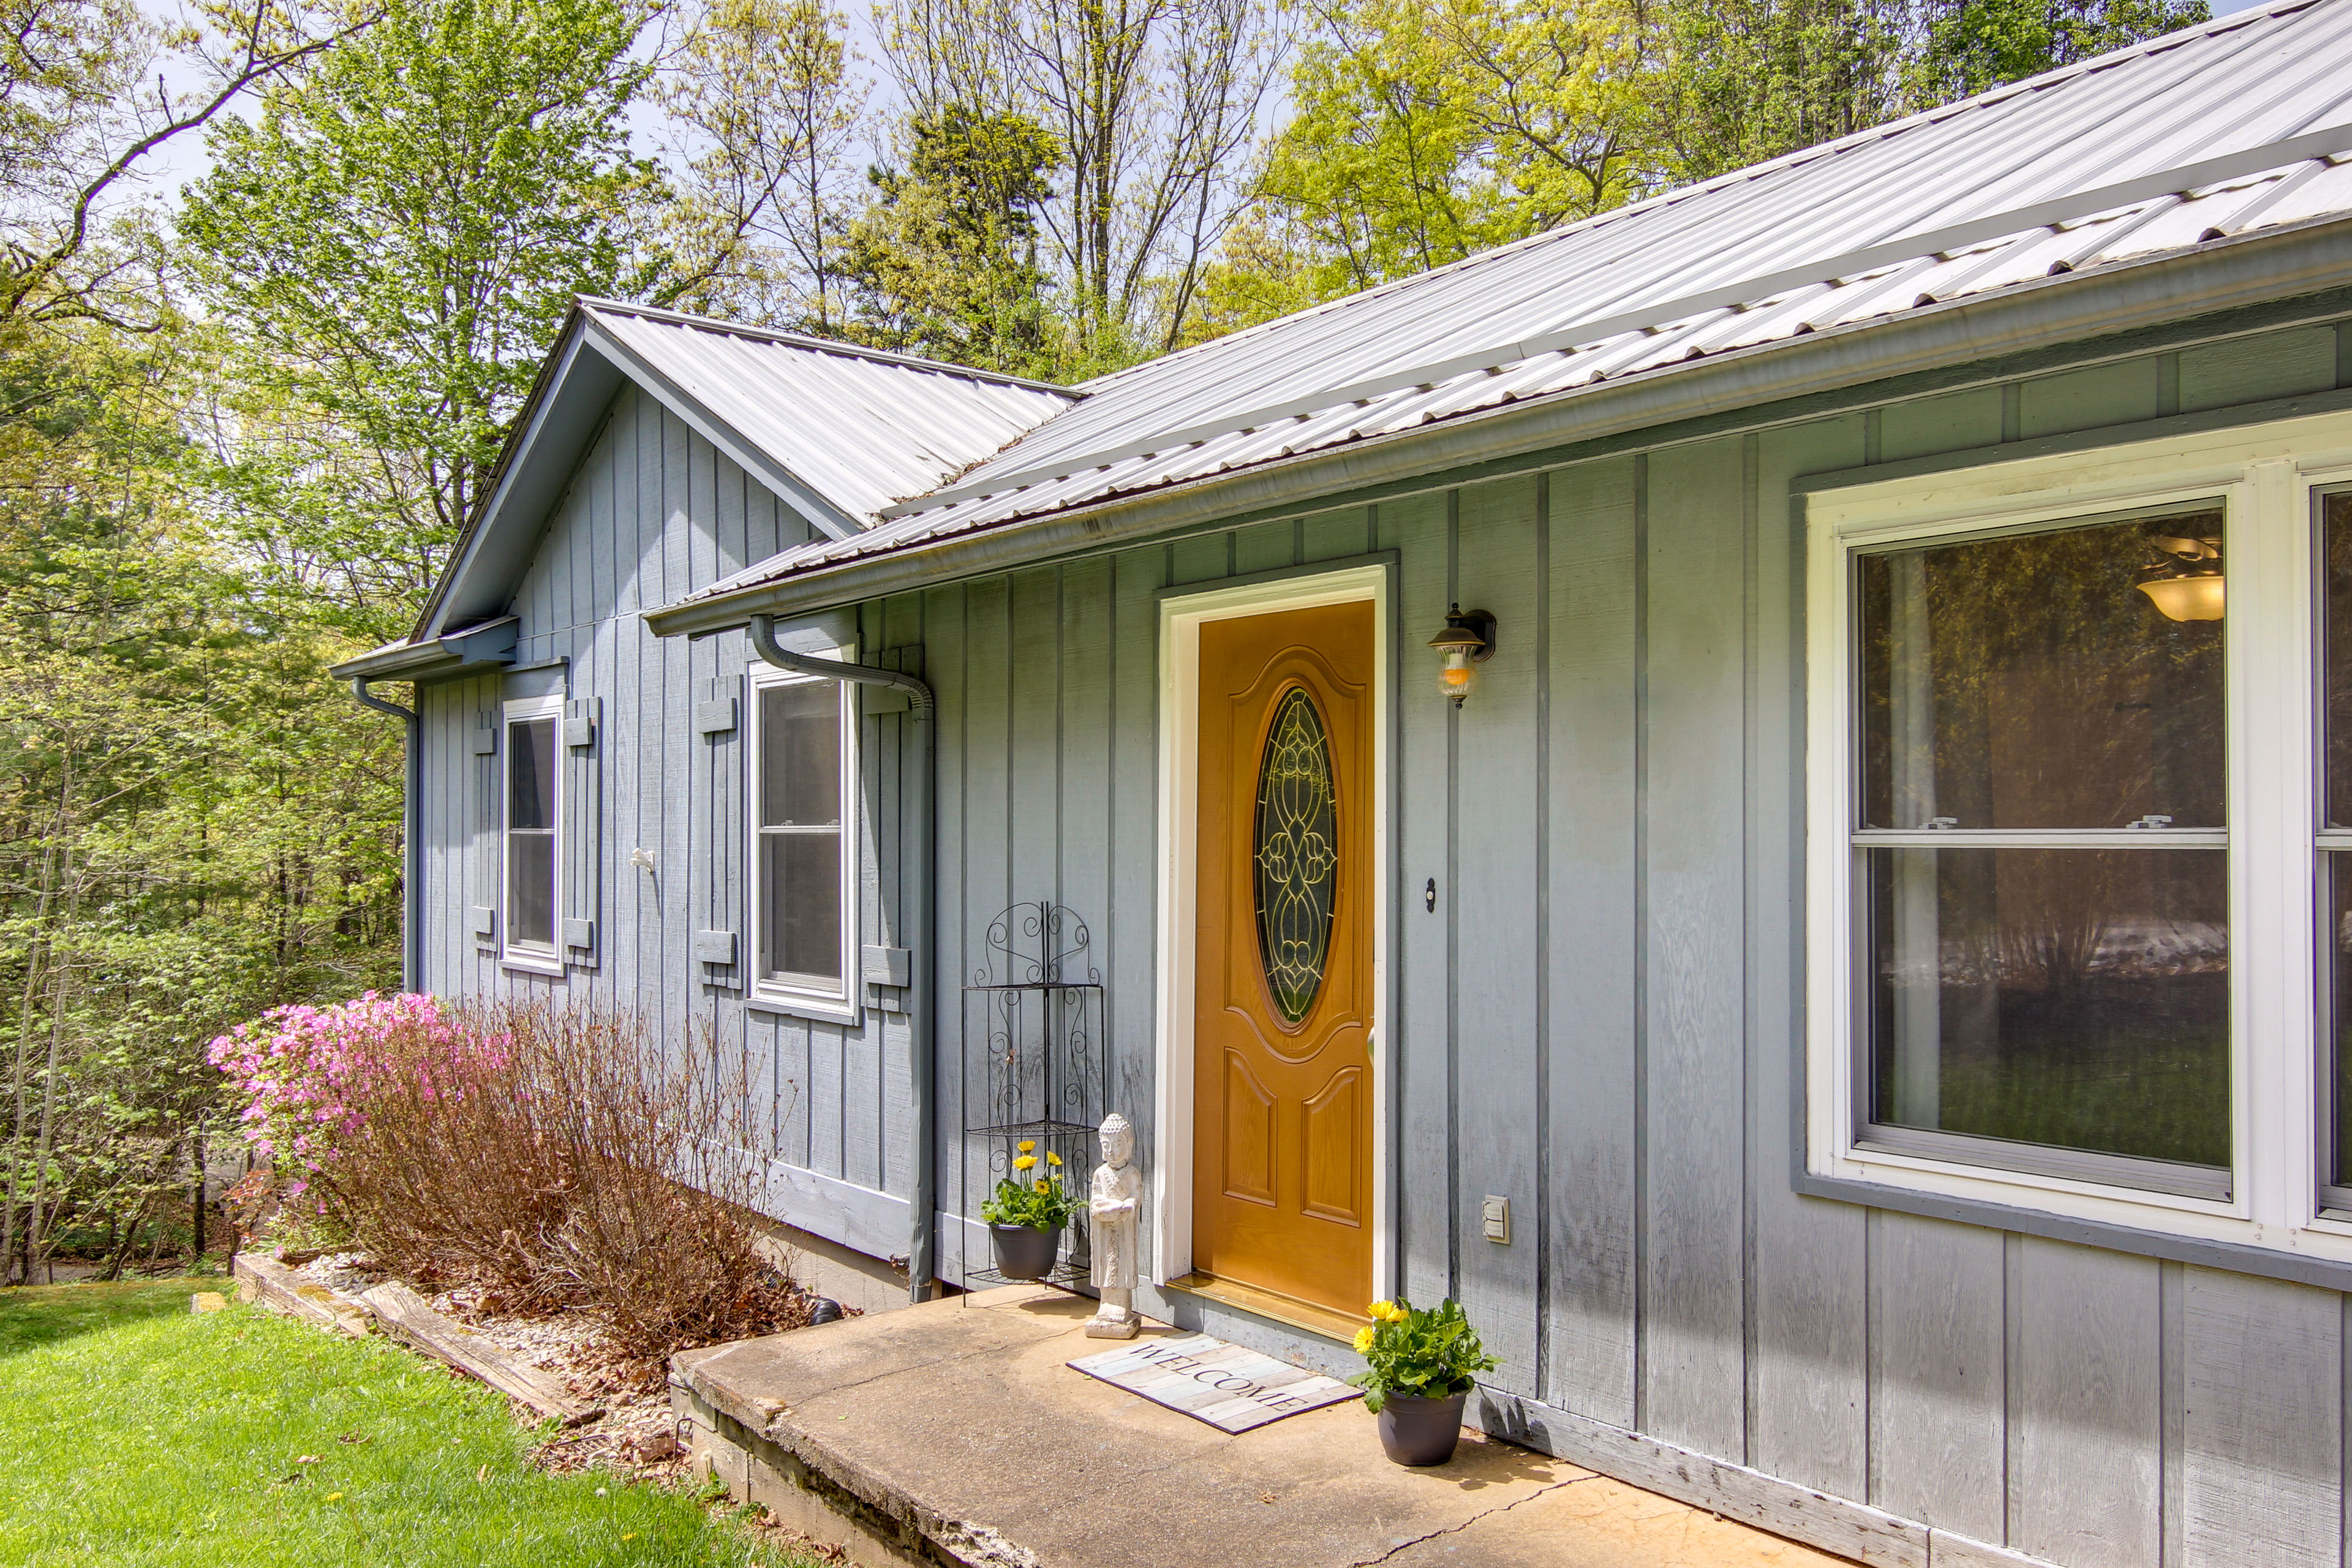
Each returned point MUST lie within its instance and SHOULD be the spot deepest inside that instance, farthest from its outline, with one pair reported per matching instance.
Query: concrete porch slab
(952, 1433)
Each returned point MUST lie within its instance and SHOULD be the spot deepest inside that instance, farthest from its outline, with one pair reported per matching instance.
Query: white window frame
(2267, 479)
(512, 954)
(838, 1003)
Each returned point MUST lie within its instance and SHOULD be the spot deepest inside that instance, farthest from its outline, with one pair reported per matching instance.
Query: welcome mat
(1230, 1388)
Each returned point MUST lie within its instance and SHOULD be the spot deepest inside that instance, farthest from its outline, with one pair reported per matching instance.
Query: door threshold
(1323, 1322)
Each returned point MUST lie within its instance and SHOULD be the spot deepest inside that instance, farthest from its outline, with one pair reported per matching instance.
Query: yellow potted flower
(1420, 1365)
(1027, 1212)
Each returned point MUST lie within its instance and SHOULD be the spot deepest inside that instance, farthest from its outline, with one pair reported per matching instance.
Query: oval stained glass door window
(1296, 846)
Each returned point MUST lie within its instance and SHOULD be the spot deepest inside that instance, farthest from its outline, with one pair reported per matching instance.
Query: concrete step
(954, 1433)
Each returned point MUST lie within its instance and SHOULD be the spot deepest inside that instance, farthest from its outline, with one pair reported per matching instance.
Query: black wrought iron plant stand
(1038, 1001)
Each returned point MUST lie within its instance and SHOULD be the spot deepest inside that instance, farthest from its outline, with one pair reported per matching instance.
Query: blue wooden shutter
(584, 740)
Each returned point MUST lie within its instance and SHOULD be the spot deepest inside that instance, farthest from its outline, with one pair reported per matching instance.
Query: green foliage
(1152, 108)
(1980, 44)
(193, 821)
(145, 1435)
(762, 100)
(1041, 1203)
(1427, 133)
(1427, 1352)
(1738, 81)
(390, 246)
(944, 263)
(90, 90)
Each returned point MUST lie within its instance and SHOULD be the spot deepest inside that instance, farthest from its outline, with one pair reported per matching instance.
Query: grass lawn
(131, 1432)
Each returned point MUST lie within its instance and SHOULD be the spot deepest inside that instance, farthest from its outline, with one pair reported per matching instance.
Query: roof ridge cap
(718, 326)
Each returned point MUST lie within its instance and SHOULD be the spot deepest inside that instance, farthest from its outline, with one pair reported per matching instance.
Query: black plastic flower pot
(1419, 1432)
(1023, 1253)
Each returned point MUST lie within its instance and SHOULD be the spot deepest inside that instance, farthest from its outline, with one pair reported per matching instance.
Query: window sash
(532, 790)
(1866, 1132)
(773, 785)
(2332, 857)
(768, 950)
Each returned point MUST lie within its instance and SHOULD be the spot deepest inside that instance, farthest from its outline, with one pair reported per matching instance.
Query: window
(2079, 841)
(2335, 837)
(531, 844)
(2041, 854)
(804, 917)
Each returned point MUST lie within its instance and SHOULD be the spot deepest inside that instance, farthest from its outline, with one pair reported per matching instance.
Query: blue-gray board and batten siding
(1600, 1019)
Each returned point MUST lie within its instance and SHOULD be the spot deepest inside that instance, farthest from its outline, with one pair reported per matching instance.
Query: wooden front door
(1282, 1160)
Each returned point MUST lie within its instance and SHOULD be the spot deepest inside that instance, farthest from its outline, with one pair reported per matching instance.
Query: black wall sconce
(1467, 641)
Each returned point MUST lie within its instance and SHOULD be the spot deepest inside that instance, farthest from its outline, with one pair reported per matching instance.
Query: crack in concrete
(1474, 1518)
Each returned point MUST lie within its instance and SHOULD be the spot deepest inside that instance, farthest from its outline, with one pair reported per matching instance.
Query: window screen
(799, 830)
(530, 854)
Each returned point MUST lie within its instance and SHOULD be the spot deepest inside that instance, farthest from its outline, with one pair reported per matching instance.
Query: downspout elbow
(921, 923)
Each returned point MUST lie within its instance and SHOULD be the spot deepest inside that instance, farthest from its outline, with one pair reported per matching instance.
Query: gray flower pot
(1023, 1253)
(1416, 1431)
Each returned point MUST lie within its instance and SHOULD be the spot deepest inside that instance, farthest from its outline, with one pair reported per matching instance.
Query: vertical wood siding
(652, 513)
(1600, 1019)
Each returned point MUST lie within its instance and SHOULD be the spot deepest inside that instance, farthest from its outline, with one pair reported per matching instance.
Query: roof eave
(2216, 276)
(481, 646)
(399, 661)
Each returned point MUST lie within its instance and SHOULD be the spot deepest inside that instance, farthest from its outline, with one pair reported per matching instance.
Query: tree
(944, 263)
(194, 823)
(1383, 169)
(1980, 44)
(763, 110)
(78, 120)
(1153, 103)
(1425, 132)
(390, 246)
(1738, 81)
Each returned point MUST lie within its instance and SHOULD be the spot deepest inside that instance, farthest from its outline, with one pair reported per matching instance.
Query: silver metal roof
(2215, 131)
(862, 429)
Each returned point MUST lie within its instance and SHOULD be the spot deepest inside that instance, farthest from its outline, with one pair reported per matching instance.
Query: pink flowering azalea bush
(305, 1073)
(555, 1156)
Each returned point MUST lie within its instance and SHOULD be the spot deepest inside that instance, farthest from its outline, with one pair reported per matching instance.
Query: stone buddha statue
(1113, 1205)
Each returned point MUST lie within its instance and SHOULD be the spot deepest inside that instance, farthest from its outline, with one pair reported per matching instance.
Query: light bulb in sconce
(1467, 641)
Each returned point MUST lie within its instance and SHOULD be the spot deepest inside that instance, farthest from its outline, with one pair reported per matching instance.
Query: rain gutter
(2049, 315)
(921, 922)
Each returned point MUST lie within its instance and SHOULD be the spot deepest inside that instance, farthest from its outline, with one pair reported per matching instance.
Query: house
(1835, 958)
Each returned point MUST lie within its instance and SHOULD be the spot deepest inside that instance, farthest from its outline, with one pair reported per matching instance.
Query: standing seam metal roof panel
(2239, 84)
(863, 430)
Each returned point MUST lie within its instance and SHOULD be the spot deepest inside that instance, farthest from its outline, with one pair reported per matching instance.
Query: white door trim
(1181, 619)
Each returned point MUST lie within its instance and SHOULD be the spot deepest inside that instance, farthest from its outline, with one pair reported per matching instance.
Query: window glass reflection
(530, 774)
(800, 726)
(2078, 998)
(2040, 681)
(803, 927)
